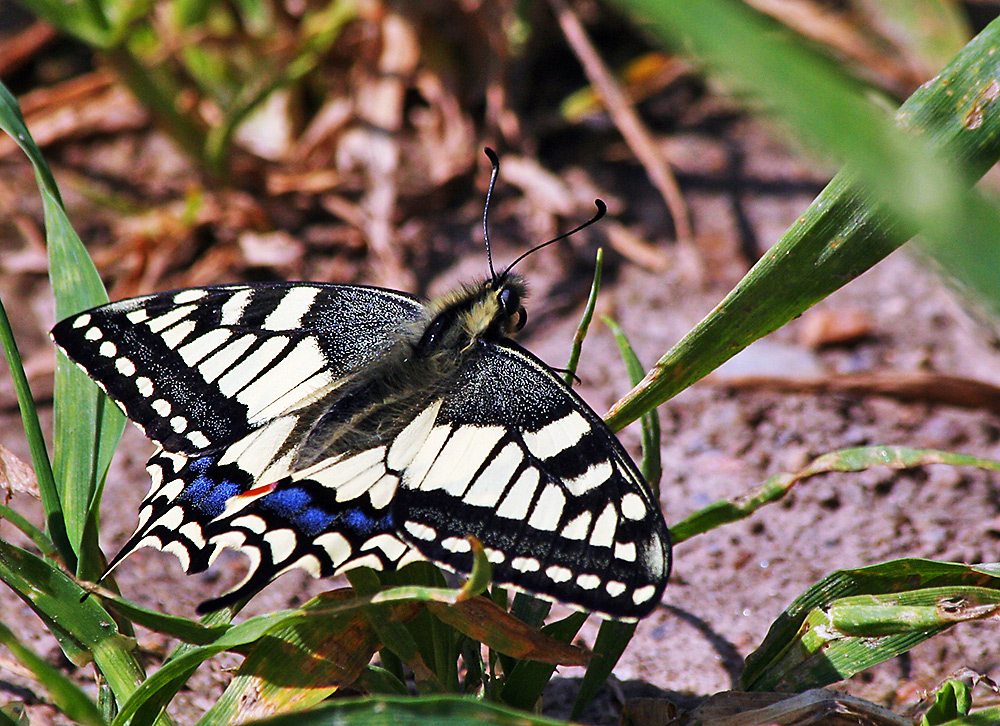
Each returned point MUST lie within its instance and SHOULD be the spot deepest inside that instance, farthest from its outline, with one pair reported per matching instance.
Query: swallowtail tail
(328, 427)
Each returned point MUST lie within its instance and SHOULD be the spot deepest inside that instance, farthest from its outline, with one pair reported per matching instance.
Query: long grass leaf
(65, 694)
(854, 459)
(87, 428)
(907, 184)
(853, 619)
(84, 629)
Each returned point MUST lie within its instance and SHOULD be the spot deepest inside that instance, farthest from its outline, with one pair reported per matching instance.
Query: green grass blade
(408, 711)
(524, 686)
(298, 666)
(844, 232)
(651, 466)
(33, 429)
(588, 315)
(74, 18)
(804, 648)
(159, 687)
(985, 717)
(37, 536)
(12, 122)
(953, 700)
(845, 460)
(66, 695)
(87, 428)
(851, 634)
(84, 629)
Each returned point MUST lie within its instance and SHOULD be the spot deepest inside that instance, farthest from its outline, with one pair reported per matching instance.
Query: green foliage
(953, 700)
(916, 174)
(180, 56)
(895, 183)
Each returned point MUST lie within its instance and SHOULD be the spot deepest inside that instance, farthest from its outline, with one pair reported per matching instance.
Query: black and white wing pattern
(219, 378)
(198, 369)
(517, 459)
(327, 427)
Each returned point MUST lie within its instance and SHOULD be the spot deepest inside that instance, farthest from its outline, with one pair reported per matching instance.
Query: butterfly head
(504, 304)
(488, 311)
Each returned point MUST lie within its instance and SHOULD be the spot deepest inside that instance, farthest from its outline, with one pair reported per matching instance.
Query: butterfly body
(326, 427)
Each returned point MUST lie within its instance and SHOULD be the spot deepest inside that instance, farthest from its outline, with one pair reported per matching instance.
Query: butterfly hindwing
(518, 460)
(311, 520)
(198, 369)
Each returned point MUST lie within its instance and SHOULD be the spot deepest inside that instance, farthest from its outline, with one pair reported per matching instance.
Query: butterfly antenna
(602, 209)
(495, 161)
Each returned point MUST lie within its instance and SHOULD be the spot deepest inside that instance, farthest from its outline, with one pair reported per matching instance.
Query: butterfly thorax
(418, 369)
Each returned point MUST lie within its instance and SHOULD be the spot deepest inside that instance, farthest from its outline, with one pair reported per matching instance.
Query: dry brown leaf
(846, 39)
(84, 106)
(819, 328)
(21, 47)
(482, 619)
(16, 477)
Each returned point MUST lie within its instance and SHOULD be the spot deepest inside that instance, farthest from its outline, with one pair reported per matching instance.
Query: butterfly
(332, 426)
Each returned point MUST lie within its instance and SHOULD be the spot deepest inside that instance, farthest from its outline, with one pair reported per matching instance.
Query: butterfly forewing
(516, 459)
(198, 369)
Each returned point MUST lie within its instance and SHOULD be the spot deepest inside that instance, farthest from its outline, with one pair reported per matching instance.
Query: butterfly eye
(510, 302)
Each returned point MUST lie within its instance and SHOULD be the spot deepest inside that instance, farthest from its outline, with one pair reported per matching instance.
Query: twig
(918, 386)
(635, 133)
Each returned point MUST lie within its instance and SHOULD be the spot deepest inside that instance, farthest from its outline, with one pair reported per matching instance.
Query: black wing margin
(518, 460)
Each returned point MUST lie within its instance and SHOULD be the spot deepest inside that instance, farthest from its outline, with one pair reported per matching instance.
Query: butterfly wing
(199, 369)
(517, 459)
(219, 377)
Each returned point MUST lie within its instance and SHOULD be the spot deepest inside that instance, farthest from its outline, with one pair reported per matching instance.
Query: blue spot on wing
(313, 521)
(363, 523)
(208, 492)
(201, 465)
(286, 502)
(198, 489)
(215, 501)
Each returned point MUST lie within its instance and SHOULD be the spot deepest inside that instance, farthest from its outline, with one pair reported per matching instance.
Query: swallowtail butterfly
(328, 427)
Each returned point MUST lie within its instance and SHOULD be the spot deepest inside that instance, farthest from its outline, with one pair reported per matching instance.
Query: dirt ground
(730, 584)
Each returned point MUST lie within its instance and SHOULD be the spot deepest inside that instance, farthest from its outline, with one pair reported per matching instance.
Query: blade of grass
(33, 429)
(588, 315)
(80, 456)
(854, 459)
(82, 20)
(651, 467)
(37, 536)
(844, 232)
(851, 634)
(953, 700)
(296, 667)
(66, 695)
(985, 717)
(409, 711)
(524, 684)
(172, 675)
(84, 629)
(784, 661)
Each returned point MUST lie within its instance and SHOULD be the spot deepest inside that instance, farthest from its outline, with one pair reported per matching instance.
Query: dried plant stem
(635, 133)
